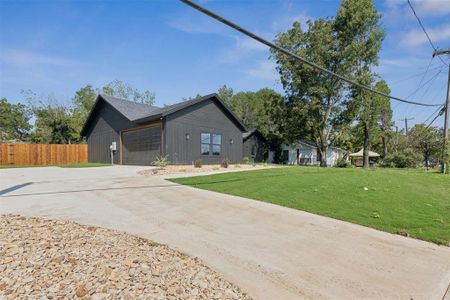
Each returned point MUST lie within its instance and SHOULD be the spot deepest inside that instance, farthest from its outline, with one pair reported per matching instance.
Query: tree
(117, 88)
(225, 93)
(257, 110)
(264, 110)
(427, 140)
(54, 125)
(386, 122)
(82, 104)
(369, 107)
(191, 98)
(14, 121)
(316, 101)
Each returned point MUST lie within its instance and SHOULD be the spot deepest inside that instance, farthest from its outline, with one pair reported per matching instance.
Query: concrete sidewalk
(270, 251)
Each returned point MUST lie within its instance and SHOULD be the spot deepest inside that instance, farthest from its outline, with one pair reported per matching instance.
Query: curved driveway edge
(271, 252)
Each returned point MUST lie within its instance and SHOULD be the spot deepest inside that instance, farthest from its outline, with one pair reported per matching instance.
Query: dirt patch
(50, 259)
(183, 169)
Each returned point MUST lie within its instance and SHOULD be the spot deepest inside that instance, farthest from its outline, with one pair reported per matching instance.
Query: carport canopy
(360, 153)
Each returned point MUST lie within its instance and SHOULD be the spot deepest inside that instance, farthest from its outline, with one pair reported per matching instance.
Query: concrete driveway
(271, 252)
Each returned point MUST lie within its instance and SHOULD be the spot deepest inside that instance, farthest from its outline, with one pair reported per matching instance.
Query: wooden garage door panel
(141, 146)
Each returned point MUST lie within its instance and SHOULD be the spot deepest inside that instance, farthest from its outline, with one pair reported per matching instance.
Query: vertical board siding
(105, 129)
(205, 117)
(42, 154)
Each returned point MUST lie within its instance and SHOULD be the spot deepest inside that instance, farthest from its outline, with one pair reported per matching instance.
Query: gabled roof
(251, 132)
(131, 110)
(170, 109)
(141, 113)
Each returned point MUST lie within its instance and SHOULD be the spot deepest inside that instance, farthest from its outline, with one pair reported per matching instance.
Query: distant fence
(42, 154)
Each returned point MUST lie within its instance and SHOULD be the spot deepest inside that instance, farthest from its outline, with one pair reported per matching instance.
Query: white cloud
(432, 7)
(264, 69)
(417, 37)
(21, 58)
(422, 7)
(242, 48)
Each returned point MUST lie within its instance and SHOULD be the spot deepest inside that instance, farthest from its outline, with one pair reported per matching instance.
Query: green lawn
(410, 201)
(79, 165)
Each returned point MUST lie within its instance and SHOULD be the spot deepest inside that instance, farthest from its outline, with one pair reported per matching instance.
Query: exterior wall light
(231, 141)
(187, 136)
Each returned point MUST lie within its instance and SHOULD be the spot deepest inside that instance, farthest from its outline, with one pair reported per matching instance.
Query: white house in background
(305, 153)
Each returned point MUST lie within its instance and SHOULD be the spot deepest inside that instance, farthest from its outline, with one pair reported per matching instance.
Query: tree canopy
(14, 121)
(345, 44)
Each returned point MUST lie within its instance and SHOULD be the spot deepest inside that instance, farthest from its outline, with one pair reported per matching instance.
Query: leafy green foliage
(162, 161)
(409, 201)
(225, 93)
(405, 158)
(427, 141)
(82, 104)
(342, 163)
(125, 91)
(264, 110)
(14, 121)
(317, 104)
(53, 125)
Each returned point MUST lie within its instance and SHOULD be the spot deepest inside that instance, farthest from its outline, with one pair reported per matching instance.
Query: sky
(56, 47)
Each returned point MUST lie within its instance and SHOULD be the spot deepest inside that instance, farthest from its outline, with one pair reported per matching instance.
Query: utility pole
(406, 124)
(446, 108)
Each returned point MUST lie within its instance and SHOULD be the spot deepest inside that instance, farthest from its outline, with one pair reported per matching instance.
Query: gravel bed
(49, 259)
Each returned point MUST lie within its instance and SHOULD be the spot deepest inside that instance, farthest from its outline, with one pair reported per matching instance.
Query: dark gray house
(253, 142)
(203, 128)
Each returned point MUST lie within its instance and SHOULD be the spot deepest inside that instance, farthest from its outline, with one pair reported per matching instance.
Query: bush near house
(406, 158)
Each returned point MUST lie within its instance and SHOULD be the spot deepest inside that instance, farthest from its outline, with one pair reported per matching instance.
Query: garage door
(141, 146)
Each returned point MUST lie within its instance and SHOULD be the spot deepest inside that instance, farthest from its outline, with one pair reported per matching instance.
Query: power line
(425, 31)
(434, 112)
(430, 81)
(415, 75)
(423, 85)
(437, 116)
(289, 53)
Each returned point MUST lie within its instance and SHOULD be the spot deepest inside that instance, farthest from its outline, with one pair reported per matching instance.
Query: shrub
(246, 160)
(198, 163)
(342, 163)
(225, 163)
(407, 158)
(161, 162)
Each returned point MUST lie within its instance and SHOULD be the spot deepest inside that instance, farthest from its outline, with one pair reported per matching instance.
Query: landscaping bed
(183, 169)
(48, 259)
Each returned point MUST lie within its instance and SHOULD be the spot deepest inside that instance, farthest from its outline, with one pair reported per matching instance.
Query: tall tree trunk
(385, 148)
(323, 155)
(366, 146)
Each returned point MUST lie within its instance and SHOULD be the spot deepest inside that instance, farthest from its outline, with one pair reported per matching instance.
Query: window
(205, 143)
(216, 143)
(211, 143)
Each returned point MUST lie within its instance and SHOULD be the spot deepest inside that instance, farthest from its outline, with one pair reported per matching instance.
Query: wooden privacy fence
(42, 154)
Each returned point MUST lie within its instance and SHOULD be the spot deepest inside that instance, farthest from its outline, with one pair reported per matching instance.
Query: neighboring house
(203, 128)
(305, 153)
(253, 145)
